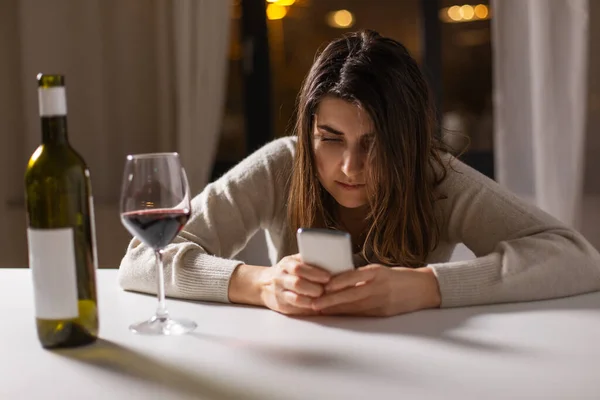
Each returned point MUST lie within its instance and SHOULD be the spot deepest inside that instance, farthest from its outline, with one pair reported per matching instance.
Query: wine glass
(155, 206)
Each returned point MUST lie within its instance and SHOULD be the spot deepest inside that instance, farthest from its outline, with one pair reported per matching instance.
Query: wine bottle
(61, 232)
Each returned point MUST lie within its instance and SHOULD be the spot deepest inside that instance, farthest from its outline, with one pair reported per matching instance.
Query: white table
(545, 350)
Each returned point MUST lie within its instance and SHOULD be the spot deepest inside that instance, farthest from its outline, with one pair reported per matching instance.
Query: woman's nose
(352, 163)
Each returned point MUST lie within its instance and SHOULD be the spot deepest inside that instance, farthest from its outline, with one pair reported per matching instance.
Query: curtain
(141, 76)
(201, 44)
(541, 100)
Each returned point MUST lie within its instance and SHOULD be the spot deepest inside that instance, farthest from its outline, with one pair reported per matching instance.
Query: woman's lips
(350, 186)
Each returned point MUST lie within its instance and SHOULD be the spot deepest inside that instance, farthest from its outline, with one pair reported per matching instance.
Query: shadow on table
(442, 325)
(124, 361)
(282, 354)
(309, 359)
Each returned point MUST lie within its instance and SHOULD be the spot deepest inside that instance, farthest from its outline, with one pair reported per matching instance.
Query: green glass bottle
(61, 232)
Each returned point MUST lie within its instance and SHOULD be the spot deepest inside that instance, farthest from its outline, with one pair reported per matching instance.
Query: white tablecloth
(545, 350)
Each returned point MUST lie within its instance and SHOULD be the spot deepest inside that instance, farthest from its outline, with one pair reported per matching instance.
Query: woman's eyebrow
(365, 136)
(330, 129)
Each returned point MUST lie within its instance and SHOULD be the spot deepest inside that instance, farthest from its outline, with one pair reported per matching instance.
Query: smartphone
(328, 249)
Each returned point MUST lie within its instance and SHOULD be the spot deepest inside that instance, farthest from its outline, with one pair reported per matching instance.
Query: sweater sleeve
(522, 253)
(225, 215)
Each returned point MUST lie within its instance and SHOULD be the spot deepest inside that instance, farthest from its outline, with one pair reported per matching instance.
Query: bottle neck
(53, 112)
(54, 130)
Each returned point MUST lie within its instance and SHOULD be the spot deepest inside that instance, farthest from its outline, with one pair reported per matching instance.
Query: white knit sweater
(522, 253)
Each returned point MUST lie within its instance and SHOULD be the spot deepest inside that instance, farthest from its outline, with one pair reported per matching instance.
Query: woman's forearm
(246, 284)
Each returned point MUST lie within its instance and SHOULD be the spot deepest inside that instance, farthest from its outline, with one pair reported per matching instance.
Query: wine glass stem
(161, 311)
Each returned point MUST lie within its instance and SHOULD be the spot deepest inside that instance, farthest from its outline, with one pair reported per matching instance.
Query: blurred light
(481, 11)
(454, 13)
(340, 19)
(282, 2)
(272, 1)
(275, 11)
(466, 12)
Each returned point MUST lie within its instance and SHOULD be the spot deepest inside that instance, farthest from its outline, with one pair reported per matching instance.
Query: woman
(365, 160)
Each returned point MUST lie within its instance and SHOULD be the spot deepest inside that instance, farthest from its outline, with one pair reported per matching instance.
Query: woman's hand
(376, 290)
(290, 287)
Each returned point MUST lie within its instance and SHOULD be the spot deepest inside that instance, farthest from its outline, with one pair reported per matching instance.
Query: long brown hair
(379, 75)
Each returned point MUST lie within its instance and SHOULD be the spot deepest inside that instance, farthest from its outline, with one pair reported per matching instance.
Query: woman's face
(342, 133)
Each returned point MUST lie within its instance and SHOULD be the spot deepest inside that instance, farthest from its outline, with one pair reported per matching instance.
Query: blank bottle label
(52, 263)
(52, 101)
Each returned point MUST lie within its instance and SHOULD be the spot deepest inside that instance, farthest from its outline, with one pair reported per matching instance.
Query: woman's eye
(329, 139)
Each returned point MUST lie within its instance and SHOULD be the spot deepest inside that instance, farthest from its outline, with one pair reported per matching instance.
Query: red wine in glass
(155, 206)
(156, 227)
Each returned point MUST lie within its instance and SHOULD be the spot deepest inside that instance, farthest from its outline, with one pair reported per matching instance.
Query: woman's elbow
(585, 262)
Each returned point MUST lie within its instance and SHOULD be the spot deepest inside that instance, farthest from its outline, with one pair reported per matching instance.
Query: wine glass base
(163, 326)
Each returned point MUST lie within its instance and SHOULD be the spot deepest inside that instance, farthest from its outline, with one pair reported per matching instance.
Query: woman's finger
(349, 279)
(308, 272)
(301, 286)
(349, 295)
(297, 300)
